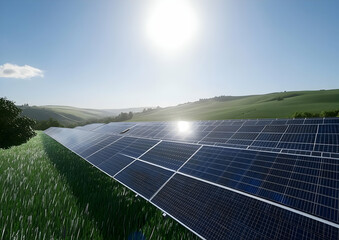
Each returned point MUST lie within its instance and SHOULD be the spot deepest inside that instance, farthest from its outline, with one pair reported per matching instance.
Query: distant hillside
(273, 105)
(71, 115)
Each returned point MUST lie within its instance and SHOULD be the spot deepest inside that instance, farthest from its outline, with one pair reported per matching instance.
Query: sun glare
(171, 24)
(183, 127)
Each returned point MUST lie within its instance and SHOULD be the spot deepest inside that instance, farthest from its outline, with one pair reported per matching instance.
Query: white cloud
(9, 70)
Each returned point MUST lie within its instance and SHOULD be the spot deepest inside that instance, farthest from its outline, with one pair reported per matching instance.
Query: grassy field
(274, 105)
(71, 115)
(47, 192)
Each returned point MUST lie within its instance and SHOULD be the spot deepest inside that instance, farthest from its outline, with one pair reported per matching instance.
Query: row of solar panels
(219, 192)
(310, 139)
(244, 122)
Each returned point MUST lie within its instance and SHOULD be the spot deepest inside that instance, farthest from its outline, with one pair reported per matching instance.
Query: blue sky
(95, 54)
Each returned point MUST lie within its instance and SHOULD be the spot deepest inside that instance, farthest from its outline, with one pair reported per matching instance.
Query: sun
(171, 25)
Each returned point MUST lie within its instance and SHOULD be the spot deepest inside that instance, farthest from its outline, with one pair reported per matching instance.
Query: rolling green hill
(273, 105)
(70, 115)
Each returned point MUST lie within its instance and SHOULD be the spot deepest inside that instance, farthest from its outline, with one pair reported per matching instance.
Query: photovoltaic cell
(266, 175)
(144, 178)
(114, 164)
(332, 139)
(169, 154)
(327, 148)
(217, 137)
(275, 129)
(309, 184)
(302, 129)
(249, 129)
(329, 129)
(226, 128)
(89, 142)
(295, 121)
(314, 121)
(245, 136)
(301, 138)
(239, 142)
(331, 120)
(272, 137)
(300, 146)
(99, 145)
(138, 147)
(217, 213)
(110, 150)
(265, 144)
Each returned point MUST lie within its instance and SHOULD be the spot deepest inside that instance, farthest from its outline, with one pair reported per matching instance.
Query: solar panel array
(242, 179)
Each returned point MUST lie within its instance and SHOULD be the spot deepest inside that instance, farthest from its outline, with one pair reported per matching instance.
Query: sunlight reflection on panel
(184, 127)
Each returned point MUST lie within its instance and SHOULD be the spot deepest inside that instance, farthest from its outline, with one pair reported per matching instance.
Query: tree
(14, 128)
(44, 124)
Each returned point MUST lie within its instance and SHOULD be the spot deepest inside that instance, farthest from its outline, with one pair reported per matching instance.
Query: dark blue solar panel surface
(275, 129)
(270, 175)
(217, 213)
(89, 142)
(98, 145)
(169, 154)
(138, 147)
(307, 184)
(114, 128)
(110, 150)
(114, 164)
(144, 178)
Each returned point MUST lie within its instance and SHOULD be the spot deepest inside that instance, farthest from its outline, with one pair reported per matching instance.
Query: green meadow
(48, 192)
(273, 105)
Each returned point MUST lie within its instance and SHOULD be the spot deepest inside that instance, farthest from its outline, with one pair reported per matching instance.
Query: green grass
(70, 115)
(47, 192)
(273, 105)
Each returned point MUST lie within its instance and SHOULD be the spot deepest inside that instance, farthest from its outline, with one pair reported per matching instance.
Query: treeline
(148, 110)
(120, 118)
(334, 113)
(222, 98)
(45, 124)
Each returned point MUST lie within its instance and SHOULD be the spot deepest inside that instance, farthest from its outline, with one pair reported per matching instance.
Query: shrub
(14, 129)
(329, 113)
(44, 124)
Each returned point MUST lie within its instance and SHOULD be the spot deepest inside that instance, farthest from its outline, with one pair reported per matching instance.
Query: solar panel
(267, 175)
(114, 164)
(169, 154)
(114, 128)
(89, 142)
(110, 150)
(249, 129)
(90, 127)
(331, 120)
(143, 178)
(98, 145)
(217, 213)
(228, 132)
(241, 179)
(138, 147)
